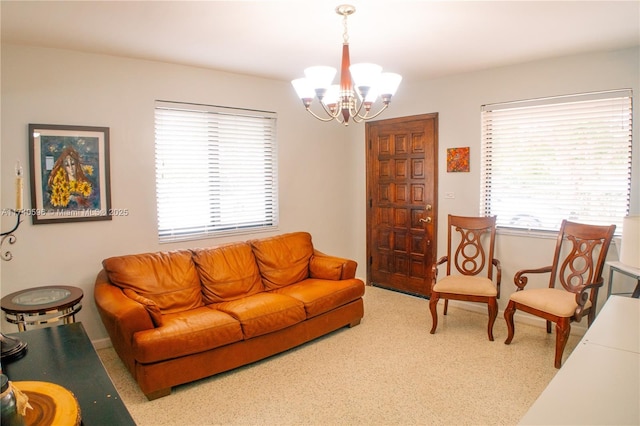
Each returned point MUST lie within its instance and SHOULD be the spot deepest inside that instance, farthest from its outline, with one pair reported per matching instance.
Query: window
(568, 157)
(216, 170)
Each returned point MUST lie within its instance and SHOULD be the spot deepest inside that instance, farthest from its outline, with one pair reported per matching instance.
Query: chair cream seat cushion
(552, 300)
(466, 284)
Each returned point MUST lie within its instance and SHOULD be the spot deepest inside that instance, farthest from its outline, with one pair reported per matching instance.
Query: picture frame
(70, 178)
(458, 159)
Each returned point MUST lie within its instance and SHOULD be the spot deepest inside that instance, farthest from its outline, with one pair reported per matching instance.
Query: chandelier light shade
(359, 88)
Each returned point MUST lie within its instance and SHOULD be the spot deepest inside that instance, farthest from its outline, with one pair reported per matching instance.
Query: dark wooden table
(64, 355)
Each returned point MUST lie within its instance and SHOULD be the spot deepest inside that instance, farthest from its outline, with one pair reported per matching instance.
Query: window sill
(533, 233)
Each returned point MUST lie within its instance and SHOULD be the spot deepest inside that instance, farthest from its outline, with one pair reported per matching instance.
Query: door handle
(425, 220)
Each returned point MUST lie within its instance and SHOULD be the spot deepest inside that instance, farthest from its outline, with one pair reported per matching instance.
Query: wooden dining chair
(469, 267)
(575, 277)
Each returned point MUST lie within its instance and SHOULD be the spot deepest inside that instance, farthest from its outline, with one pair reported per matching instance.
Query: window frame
(205, 154)
(491, 135)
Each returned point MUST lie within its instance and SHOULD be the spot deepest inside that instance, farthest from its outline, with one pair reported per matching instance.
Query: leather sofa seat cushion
(169, 279)
(264, 313)
(186, 333)
(227, 272)
(283, 259)
(320, 296)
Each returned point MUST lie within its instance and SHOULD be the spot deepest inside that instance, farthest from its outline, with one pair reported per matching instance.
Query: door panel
(402, 196)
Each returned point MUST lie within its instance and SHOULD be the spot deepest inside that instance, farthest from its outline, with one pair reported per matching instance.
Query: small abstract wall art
(458, 159)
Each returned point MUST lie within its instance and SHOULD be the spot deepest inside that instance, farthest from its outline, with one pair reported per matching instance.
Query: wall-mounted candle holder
(9, 236)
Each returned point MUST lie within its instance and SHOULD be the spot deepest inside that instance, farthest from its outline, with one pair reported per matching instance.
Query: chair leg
(591, 315)
(493, 313)
(563, 327)
(433, 307)
(636, 291)
(446, 306)
(508, 317)
(548, 327)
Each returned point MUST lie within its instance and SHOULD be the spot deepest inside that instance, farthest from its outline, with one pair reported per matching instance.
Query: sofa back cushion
(227, 272)
(169, 279)
(283, 259)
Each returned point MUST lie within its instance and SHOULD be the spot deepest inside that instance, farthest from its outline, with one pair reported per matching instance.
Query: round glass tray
(41, 296)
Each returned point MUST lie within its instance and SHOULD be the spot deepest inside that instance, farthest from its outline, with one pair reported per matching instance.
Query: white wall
(458, 98)
(49, 86)
(322, 166)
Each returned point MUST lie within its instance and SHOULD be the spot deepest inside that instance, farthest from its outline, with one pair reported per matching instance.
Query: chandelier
(341, 102)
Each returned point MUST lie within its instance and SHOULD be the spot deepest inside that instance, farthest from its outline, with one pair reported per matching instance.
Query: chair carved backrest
(580, 255)
(475, 247)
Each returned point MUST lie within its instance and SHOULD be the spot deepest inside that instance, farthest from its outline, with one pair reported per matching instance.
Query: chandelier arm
(360, 118)
(356, 112)
(334, 114)
(327, 119)
(369, 117)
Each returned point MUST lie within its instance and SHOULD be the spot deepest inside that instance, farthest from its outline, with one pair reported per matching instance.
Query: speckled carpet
(386, 371)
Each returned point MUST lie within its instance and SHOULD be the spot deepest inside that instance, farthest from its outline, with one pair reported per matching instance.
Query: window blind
(568, 157)
(216, 170)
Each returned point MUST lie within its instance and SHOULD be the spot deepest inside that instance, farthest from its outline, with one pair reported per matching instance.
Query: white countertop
(599, 384)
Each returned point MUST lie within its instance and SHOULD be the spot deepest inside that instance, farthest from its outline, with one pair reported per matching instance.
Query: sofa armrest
(121, 316)
(331, 267)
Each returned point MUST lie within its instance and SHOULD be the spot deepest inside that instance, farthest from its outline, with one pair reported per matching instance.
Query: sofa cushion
(325, 267)
(186, 333)
(151, 306)
(227, 272)
(169, 279)
(264, 313)
(320, 296)
(284, 259)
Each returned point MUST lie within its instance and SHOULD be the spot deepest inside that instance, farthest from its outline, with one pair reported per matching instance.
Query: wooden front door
(402, 171)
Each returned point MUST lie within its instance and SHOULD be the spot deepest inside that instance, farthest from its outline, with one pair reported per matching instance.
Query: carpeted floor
(386, 371)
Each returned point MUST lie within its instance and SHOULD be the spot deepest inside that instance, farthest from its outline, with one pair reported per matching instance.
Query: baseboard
(422, 296)
(102, 343)
(577, 329)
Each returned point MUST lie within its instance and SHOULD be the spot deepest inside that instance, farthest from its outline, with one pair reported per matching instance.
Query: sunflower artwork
(70, 176)
(70, 182)
(458, 159)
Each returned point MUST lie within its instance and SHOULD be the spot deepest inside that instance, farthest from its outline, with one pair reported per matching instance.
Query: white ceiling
(278, 39)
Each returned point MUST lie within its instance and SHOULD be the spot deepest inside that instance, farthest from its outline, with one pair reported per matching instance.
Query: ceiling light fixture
(339, 101)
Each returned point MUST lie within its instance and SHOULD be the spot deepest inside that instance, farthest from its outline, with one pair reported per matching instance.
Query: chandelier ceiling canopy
(359, 88)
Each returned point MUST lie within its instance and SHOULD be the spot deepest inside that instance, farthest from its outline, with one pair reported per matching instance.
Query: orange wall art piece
(458, 159)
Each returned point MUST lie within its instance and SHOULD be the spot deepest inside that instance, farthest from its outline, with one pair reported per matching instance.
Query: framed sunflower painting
(69, 173)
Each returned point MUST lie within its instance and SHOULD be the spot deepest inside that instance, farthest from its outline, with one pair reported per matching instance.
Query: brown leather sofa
(179, 316)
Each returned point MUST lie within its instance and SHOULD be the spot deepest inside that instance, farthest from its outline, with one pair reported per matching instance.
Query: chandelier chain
(345, 34)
